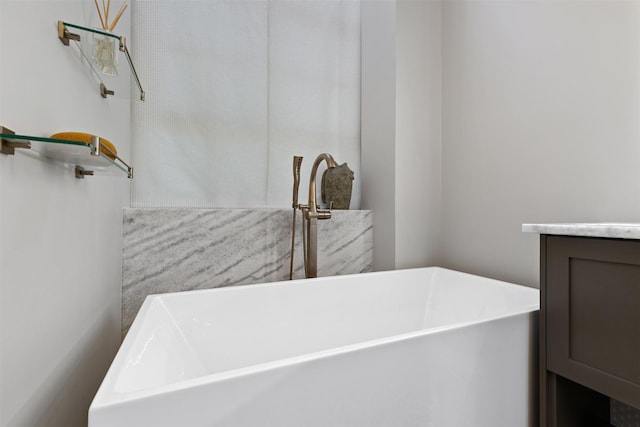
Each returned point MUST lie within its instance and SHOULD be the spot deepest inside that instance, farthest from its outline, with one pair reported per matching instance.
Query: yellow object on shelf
(106, 147)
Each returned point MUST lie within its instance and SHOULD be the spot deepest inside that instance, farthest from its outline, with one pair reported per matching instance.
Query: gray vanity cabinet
(589, 328)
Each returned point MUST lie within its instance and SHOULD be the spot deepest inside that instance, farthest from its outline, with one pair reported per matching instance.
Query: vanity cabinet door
(592, 301)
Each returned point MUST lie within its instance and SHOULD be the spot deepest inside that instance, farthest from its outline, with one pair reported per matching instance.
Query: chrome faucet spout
(312, 215)
(331, 163)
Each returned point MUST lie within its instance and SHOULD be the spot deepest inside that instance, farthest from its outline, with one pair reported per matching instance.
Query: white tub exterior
(421, 347)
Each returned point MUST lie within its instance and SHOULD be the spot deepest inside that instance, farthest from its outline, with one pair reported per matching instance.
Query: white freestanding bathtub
(421, 347)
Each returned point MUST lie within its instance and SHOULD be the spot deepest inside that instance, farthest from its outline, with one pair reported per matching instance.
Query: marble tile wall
(170, 250)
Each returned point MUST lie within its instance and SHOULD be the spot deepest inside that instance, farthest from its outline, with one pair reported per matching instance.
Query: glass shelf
(104, 69)
(77, 154)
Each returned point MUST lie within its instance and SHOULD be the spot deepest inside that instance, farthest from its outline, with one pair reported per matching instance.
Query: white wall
(539, 111)
(401, 146)
(60, 246)
(378, 112)
(418, 133)
(253, 81)
(540, 124)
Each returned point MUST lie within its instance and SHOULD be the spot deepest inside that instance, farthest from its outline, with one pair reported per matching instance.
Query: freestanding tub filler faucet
(310, 215)
(313, 214)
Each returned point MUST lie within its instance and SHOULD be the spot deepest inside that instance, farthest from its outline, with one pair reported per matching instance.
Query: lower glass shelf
(87, 158)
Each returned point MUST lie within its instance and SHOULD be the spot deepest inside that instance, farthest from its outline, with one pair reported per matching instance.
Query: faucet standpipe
(313, 215)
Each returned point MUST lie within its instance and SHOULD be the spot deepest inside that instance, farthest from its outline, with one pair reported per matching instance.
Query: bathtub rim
(108, 396)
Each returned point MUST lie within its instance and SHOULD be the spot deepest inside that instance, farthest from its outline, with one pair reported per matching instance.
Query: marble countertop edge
(614, 230)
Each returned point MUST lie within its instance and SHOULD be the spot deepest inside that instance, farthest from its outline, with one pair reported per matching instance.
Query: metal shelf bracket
(9, 147)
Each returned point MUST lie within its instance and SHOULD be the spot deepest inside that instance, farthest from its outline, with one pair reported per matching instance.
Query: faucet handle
(324, 214)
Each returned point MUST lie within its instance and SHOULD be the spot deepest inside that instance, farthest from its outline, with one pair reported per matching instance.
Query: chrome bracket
(94, 145)
(64, 35)
(104, 91)
(82, 172)
(9, 147)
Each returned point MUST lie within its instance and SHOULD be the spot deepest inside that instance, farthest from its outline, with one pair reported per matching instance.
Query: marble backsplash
(170, 250)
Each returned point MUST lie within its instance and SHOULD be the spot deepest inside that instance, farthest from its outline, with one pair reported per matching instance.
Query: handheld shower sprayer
(297, 164)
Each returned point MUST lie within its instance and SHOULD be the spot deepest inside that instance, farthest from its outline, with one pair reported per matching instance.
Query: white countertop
(612, 230)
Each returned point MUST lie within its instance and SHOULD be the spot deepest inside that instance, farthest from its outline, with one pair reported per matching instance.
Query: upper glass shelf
(100, 49)
(80, 155)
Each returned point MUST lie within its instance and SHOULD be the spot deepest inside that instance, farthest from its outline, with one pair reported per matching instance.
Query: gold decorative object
(106, 147)
(106, 26)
